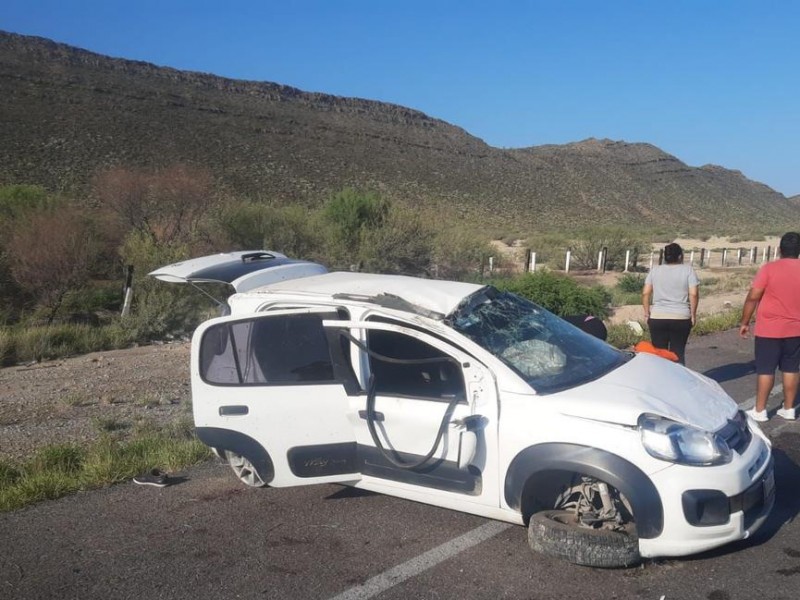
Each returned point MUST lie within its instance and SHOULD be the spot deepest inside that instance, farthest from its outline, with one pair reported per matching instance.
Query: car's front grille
(736, 433)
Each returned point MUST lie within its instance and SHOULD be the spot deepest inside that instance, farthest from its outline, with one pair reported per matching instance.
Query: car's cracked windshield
(549, 353)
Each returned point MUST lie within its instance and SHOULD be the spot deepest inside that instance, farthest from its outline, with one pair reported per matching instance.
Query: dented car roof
(430, 297)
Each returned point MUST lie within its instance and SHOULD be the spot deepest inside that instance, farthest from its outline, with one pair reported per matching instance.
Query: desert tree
(184, 195)
(589, 242)
(166, 205)
(50, 254)
(125, 192)
(459, 252)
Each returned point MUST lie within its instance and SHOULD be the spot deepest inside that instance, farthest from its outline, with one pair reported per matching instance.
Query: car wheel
(558, 533)
(244, 470)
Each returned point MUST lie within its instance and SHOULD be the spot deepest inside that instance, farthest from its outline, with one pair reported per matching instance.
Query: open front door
(265, 388)
(426, 415)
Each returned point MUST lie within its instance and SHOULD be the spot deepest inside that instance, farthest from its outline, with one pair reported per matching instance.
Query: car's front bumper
(701, 509)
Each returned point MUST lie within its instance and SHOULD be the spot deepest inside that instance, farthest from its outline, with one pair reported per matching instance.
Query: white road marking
(423, 562)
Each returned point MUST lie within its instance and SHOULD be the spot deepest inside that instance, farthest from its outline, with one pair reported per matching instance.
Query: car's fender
(536, 474)
(244, 445)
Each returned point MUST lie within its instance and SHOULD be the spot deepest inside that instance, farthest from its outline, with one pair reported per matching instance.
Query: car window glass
(403, 365)
(274, 350)
(549, 353)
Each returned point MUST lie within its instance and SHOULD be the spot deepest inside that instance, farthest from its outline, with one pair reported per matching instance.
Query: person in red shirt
(776, 292)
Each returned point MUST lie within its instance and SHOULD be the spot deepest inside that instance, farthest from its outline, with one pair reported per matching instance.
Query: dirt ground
(80, 398)
(711, 301)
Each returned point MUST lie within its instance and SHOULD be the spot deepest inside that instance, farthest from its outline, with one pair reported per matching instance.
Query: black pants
(670, 334)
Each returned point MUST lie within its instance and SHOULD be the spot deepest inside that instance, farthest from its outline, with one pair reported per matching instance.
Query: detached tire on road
(556, 533)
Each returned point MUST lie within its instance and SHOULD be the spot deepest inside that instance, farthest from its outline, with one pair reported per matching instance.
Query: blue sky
(709, 81)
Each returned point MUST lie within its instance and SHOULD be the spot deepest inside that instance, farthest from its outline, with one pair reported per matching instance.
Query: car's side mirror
(468, 429)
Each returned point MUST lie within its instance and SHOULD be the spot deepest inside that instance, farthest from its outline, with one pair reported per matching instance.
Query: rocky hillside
(67, 112)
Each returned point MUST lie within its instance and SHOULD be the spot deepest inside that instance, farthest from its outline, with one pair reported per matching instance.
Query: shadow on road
(731, 371)
(350, 492)
(787, 499)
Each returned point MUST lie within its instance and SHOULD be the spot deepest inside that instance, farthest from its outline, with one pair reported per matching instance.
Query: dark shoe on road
(156, 477)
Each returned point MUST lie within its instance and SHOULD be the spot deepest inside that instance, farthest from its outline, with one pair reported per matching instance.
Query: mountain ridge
(71, 112)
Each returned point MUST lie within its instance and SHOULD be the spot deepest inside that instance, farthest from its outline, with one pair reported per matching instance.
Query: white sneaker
(757, 415)
(787, 413)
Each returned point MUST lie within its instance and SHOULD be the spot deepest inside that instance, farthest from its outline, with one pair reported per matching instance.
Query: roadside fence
(701, 258)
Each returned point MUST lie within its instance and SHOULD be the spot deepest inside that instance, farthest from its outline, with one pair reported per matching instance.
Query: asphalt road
(208, 536)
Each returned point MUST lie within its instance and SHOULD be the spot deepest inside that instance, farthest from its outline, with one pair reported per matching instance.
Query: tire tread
(581, 545)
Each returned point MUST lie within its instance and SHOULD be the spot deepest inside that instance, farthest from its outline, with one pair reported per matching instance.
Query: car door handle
(363, 415)
(233, 410)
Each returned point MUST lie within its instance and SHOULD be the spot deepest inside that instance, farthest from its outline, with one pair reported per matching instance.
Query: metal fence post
(127, 291)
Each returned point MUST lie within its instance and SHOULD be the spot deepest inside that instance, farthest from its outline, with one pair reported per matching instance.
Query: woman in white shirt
(673, 290)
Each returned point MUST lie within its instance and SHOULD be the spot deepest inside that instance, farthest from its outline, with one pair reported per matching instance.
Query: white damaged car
(466, 397)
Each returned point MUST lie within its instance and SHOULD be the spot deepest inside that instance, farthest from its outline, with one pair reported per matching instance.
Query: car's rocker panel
(443, 475)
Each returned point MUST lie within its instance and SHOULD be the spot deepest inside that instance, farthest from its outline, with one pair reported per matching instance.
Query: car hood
(654, 385)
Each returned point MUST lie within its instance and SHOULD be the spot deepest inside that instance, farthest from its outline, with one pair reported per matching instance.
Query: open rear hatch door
(242, 270)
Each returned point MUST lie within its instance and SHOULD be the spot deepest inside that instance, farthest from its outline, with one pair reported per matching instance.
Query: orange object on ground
(645, 346)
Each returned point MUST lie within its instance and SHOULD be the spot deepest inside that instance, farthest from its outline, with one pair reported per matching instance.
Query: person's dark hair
(790, 245)
(673, 253)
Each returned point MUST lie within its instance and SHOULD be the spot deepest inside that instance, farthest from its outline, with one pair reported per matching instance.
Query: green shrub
(62, 458)
(718, 322)
(559, 294)
(458, 253)
(291, 230)
(9, 474)
(402, 245)
(550, 249)
(8, 351)
(159, 309)
(622, 336)
(62, 469)
(16, 201)
(616, 240)
(624, 298)
(349, 213)
(23, 343)
(97, 297)
(631, 283)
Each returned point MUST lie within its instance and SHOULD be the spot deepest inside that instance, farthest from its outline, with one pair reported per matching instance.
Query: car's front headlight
(683, 444)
